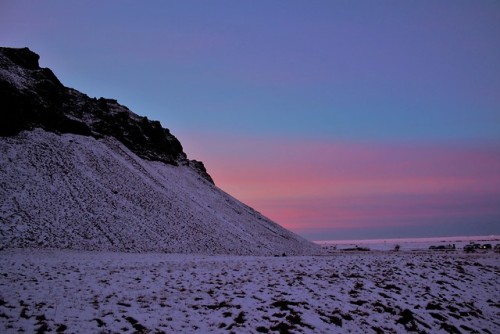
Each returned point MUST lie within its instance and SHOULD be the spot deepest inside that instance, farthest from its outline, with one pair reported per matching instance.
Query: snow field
(368, 292)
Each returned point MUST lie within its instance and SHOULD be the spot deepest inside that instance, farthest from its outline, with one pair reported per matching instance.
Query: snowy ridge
(78, 192)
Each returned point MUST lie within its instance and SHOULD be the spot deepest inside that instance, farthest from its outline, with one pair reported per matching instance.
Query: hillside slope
(89, 189)
(77, 192)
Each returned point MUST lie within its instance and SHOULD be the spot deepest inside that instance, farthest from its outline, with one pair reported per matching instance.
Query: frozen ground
(348, 292)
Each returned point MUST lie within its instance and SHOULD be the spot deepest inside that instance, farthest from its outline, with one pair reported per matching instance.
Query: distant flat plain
(412, 243)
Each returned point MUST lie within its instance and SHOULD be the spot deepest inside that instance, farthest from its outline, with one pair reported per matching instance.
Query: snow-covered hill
(90, 190)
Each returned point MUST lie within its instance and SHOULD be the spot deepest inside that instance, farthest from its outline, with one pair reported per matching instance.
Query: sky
(336, 119)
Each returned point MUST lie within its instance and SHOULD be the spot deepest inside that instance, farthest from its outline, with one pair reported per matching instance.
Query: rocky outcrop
(32, 97)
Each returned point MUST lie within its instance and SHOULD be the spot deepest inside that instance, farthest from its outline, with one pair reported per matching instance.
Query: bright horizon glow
(340, 119)
(329, 188)
(402, 240)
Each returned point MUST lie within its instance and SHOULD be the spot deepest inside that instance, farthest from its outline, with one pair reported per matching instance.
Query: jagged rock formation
(33, 97)
(84, 173)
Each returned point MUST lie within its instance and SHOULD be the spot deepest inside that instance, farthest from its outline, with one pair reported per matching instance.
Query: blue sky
(222, 75)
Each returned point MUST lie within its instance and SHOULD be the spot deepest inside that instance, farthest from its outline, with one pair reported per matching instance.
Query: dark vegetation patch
(450, 328)
(358, 302)
(290, 314)
(433, 306)
(240, 319)
(61, 328)
(137, 326)
(284, 305)
(43, 328)
(100, 323)
(381, 307)
(437, 316)
(410, 322)
(220, 305)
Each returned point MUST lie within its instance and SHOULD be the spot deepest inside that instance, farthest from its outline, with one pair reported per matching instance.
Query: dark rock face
(31, 97)
(22, 57)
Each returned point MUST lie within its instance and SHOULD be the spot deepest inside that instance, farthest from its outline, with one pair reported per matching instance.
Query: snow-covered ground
(348, 292)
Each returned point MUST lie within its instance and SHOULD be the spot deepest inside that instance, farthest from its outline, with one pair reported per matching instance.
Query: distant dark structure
(443, 247)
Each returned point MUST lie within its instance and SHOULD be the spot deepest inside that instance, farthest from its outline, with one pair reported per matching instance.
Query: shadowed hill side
(83, 173)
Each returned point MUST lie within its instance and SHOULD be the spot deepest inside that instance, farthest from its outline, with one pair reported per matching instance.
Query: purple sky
(337, 119)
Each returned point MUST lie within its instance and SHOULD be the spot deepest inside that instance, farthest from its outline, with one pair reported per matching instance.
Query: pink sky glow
(329, 186)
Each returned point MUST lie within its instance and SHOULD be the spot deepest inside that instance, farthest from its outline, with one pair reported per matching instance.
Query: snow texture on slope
(78, 192)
